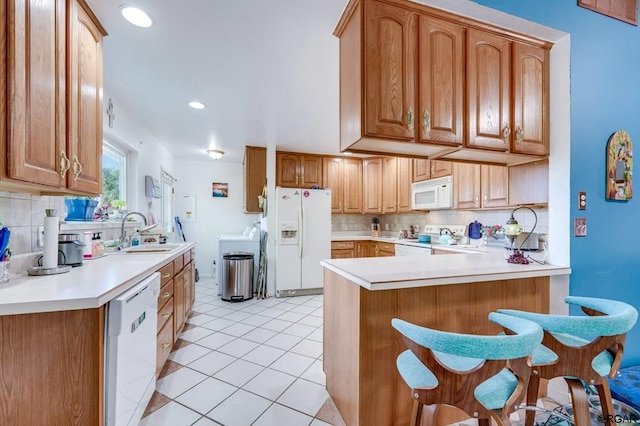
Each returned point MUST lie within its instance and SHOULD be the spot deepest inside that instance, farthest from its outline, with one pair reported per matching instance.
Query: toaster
(521, 242)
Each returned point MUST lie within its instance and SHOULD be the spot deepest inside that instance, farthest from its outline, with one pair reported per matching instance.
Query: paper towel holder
(40, 270)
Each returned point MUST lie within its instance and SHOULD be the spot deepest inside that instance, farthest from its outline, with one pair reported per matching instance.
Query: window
(114, 173)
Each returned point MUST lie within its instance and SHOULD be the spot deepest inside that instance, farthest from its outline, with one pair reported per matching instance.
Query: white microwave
(432, 194)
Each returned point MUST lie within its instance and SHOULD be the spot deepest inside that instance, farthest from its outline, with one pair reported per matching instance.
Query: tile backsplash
(392, 223)
(24, 213)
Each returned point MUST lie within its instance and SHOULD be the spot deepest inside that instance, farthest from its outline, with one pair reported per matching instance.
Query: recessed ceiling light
(136, 16)
(196, 105)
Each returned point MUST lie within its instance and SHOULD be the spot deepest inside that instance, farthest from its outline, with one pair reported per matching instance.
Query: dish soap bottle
(135, 240)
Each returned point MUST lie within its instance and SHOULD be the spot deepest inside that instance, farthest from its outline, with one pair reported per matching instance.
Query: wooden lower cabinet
(351, 249)
(386, 249)
(366, 249)
(165, 341)
(343, 249)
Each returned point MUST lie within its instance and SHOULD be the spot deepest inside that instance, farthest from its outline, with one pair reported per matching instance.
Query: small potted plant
(119, 208)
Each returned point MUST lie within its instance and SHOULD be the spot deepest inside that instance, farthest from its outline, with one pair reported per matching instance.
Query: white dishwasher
(130, 376)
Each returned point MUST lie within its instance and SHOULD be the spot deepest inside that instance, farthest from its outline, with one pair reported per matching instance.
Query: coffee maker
(70, 249)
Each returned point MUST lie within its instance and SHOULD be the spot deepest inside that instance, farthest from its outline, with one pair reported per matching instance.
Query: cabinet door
(441, 82)
(85, 101)
(366, 249)
(342, 254)
(389, 62)
(372, 185)
(404, 184)
(189, 290)
(441, 168)
(466, 186)
(421, 170)
(36, 89)
(178, 304)
(495, 186)
(352, 185)
(287, 170)
(488, 90)
(332, 177)
(529, 183)
(255, 177)
(530, 100)
(310, 171)
(389, 184)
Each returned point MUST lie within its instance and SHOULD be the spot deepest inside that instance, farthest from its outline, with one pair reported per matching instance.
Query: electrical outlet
(582, 200)
(40, 236)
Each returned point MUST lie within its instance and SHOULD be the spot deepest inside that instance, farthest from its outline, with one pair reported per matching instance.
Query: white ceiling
(266, 69)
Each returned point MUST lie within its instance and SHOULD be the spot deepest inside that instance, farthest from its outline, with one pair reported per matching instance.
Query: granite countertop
(91, 285)
(384, 273)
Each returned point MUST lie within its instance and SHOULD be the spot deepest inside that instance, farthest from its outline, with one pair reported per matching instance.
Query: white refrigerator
(303, 224)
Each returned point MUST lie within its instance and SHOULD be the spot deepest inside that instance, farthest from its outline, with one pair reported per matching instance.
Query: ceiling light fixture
(196, 105)
(136, 16)
(215, 153)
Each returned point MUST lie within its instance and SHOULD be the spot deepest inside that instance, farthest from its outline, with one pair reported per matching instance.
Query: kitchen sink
(151, 248)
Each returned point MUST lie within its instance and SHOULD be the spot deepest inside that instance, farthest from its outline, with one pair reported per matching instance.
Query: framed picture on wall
(220, 189)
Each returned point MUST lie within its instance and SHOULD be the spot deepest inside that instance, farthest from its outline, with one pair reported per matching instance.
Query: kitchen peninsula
(452, 292)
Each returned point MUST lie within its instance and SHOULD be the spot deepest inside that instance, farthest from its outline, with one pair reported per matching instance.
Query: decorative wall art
(619, 167)
(220, 189)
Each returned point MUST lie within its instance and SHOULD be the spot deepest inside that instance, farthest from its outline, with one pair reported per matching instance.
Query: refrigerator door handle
(301, 232)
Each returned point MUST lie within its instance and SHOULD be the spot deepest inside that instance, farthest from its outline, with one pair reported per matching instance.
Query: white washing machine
(238, 243)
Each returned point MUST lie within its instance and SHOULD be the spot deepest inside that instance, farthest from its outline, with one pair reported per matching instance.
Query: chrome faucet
(124, 219)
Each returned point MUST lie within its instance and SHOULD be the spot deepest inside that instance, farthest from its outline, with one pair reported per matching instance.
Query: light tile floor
(258, 362)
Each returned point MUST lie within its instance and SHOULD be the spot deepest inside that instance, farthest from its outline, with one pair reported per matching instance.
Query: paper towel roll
(50, 252)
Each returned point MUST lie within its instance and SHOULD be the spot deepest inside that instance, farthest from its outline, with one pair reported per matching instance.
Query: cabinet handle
(410, 119)
(166, 315)
(65, 164)
(506, 132)
(519, 134)
(166, 295)
(166, 345)
(166, 276)
(476, 200)
(77, 167)
(486, 197)
(426, 122)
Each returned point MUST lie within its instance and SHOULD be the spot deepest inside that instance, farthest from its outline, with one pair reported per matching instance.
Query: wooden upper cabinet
(287, 170)
(54, 79)
(352, 185)
(389, 70)
(466, 186)
(421, 170)
(372, 185)
(529, 183)
(530, 100)
(495, 186)
(390, 185)
(255, 177)
(440, 168)
(332, 178)
(488, 90)
(36, 67)
(405, 171)
(344, 177)
(85, 100)
(298, 170)
(441, 82)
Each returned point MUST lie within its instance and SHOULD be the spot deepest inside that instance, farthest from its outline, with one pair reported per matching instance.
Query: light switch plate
(580, 227)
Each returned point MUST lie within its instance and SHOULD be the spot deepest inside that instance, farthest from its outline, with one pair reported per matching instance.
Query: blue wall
(605, 97)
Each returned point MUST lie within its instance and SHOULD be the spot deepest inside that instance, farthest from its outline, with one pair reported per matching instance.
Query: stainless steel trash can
(237, 276)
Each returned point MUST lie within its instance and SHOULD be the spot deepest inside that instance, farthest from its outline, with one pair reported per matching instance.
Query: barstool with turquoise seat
(582, 349)
(484, 376)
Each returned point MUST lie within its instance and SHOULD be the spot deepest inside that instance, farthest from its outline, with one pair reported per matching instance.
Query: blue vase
(79, 210)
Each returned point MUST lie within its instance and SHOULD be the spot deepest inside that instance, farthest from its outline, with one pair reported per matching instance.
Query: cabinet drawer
(165, 343)
(343, 245)
(388, 247)
(166, 292)
(165, 313)
(343, 254)
(178, 264)
(166, 273)
(186, 258)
